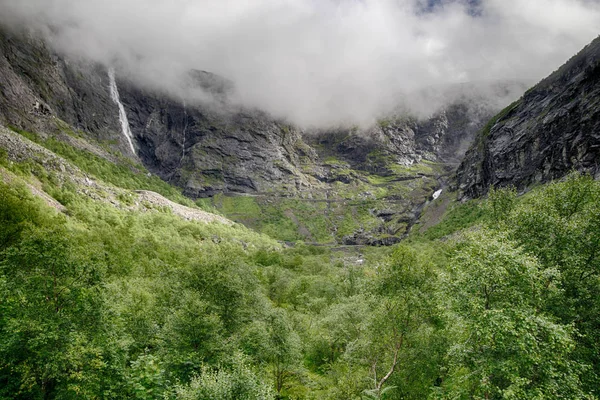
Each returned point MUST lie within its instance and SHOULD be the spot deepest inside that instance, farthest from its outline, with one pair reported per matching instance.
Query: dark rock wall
(199, 149)
(206, 151)
(37, 87)
(443, 137)
(553, 129)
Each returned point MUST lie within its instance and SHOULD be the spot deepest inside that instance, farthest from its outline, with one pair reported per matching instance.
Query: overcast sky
(318, 62)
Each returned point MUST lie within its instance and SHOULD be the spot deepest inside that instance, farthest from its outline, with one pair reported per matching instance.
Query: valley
(152, 247)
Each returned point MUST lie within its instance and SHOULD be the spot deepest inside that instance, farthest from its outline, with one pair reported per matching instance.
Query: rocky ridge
(552, 130)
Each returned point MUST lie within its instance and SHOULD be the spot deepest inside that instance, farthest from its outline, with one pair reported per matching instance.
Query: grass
(351, 208)
(459, 216)
(125, 174)
(241, 205)
(334, 161)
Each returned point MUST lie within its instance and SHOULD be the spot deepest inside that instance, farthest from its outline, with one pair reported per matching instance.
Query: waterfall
(114, 94)
(185, 127)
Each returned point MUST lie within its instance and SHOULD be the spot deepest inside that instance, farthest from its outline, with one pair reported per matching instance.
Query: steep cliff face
(443, 137)
(37, 87)
(202, 150)
(199, 148)
(553, 129)
(206, 151)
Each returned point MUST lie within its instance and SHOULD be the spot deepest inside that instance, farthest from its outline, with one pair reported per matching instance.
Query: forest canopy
(104, 303)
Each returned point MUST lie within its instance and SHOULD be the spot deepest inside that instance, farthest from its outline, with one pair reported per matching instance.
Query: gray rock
(552, 130)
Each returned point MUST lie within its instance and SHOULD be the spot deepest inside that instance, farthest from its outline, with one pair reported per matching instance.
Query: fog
(321, 62)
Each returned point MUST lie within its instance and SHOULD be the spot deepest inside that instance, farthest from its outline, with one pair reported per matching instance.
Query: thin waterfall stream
(114, 94)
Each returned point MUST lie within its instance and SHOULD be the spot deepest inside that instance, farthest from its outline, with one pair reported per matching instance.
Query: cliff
(553, 129)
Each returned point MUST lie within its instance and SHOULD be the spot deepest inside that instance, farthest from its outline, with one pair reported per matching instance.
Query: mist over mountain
(318, 63)
(299, 199)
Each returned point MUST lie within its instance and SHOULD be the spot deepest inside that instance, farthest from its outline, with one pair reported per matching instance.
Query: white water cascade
(114, 94)
(185, 127)
(437, 194)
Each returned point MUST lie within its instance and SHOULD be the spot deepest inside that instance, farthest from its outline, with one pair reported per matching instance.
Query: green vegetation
(292, 219)
(497, 301)
(328, 217)
(123, 173)
(459, 216)
(424, 167)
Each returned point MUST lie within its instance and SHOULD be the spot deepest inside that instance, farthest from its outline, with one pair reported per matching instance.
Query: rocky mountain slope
(22, 151)
(553, 129)
(349, 185)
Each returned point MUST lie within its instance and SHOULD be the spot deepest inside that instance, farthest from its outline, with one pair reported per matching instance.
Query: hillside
(110, 293)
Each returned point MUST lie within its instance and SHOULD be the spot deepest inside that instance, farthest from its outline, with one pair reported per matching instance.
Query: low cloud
(321, 62)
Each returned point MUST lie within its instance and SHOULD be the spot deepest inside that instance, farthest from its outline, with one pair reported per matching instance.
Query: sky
(319, 63)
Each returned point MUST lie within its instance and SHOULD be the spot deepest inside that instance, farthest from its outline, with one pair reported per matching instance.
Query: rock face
(205, 151)
(37, 87)
(443, 137)
(208, 151)
(553, 129)
(200, 149)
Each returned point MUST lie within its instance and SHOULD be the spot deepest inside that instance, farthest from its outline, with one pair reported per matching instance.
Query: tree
(284, 348)
(407, 308)
(19, 212)
(560, 225)
(50, 315)
(500, 203)
(504, 345)
(191, 335)
(237, 382)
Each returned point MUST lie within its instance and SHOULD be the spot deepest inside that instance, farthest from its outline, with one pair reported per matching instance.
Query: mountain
(120, 280)
(552, 130)
(372, 181)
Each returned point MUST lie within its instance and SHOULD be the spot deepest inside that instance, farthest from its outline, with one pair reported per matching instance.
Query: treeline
(101, 303)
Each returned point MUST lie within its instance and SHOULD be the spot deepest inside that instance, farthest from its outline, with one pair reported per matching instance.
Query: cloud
(320, 62)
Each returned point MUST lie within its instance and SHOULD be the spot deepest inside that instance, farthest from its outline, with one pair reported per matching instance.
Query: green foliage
(124, 173)
(283, 348)
(239, 382)
(106, 303)
(459, 216)
(505, 346)
(146, 378)
(560, 225)
(500, 203)
(50, 293)
(109, 302)
(19, 212)
(404, 326)
(375, 395)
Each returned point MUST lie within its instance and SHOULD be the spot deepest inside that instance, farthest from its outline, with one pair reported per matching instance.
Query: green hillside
(104, 295)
